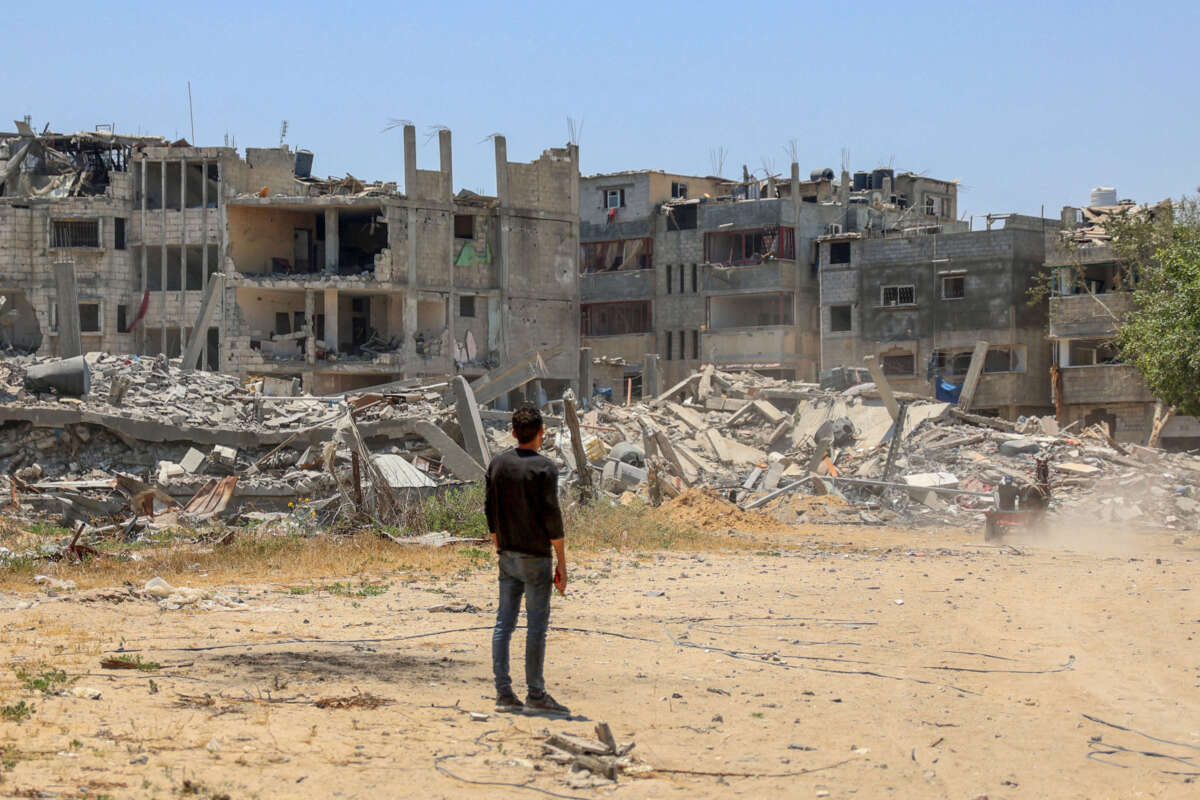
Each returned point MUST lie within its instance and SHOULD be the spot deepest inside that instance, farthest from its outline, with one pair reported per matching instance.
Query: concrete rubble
(809, 454)
(151, 446)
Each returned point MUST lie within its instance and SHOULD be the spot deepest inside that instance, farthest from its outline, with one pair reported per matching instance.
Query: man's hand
(560, 577)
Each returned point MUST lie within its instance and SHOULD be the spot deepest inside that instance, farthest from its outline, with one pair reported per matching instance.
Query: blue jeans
(532, 576)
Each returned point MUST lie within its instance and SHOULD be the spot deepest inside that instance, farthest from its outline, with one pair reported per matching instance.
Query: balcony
(1103, 384)
(767, 346)
(774, 275)
(630, 346)
(636, 284)
(1087, 315)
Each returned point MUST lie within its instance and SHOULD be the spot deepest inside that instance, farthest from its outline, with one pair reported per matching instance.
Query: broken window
(741, 248)
(466, 305)
(839, 253)
(614, 198)
(937, 206)
(669, 279)
(89, 317)
(750, 310)
(122, 319)
(464, 226)
(898, 295)
(695, 343)
(678, 190)
(617, 254)
(841, 319)
(899, 364)
(670, 344)
(682, 217)
(118, 233)
(998, 359)
(954, 287)
(75, 233)
(283, 323)
(361, 236)
(615, 319)
(695, 277)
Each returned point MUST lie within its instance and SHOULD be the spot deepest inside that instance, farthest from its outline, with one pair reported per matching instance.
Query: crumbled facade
(920, 299)
(336, 282)
(1091, 294)
(703, 270)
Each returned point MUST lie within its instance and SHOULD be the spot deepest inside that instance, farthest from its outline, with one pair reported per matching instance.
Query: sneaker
(545, 705)
(508, 703)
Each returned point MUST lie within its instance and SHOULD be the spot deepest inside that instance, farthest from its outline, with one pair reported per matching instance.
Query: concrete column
(331, 320)
(651, 377)
(183, 339)
(446, 160)
(310, 319)
(500, 258)
(469, 421)
(70, 340)
(332, 240)
(204, 225)
(162, 295)
(1064, 352)
(410, 161)
(141, 329)
(585, 376)
(410, 292)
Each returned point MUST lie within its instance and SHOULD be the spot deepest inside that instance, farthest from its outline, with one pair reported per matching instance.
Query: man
(526, 524)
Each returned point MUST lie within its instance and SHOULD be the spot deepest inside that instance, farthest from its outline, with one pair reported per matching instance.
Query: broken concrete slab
(469, 421)
(192, 460)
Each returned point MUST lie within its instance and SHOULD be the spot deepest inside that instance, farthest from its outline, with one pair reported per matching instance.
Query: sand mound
(704, 508)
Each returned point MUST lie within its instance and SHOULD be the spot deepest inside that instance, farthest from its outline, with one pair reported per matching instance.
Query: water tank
(862, 181)
(821, 174)
(1104, 196)
(878, 175)
(303, 166)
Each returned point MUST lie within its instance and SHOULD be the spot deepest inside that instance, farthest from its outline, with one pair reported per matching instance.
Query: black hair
(526, 422)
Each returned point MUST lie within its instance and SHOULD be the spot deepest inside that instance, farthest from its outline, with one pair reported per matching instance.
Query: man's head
(527, 427)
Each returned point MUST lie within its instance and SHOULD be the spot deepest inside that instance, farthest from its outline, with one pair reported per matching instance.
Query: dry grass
(299, 561)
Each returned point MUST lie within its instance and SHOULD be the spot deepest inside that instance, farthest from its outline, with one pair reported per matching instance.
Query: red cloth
(141, 312)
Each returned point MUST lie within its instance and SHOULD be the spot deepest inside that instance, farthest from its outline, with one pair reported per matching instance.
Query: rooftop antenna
(574, 130)
(716, 159)
(191, 114)
(282, 131)
(434, 130)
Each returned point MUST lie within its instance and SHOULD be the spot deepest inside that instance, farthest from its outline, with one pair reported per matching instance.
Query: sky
(1029, 104)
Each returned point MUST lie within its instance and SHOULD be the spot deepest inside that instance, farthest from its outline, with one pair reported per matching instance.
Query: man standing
(525, 523)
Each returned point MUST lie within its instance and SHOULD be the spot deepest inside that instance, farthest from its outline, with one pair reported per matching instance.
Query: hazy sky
(1030, 104)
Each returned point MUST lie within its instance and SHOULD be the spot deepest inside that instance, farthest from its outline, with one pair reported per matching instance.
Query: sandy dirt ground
(833, 662)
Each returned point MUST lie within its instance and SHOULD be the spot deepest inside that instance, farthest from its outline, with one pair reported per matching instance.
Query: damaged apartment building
(678, 271)
(918, 299)
(265, 270)
(1091, 293)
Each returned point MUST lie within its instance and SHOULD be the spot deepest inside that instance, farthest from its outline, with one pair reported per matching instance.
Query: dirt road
(878, 663)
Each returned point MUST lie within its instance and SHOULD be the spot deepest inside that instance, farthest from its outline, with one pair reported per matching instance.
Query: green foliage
(18, 712)
(299, 590)
(459, 511)
(364, 589)
(1161, 336)
(47, 681)
(136, 662)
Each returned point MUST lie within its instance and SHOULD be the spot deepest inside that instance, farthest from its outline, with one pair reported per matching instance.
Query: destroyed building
(920, 299)
(1091, 292)
(336, 282)
(679, 271)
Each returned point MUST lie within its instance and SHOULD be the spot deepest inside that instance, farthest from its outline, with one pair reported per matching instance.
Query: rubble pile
(803, 453)
(136, 443)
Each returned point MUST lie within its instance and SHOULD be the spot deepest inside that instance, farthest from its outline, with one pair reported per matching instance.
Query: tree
(1161, 336)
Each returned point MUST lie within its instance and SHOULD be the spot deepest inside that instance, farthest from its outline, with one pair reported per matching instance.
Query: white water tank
(1104, 196)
